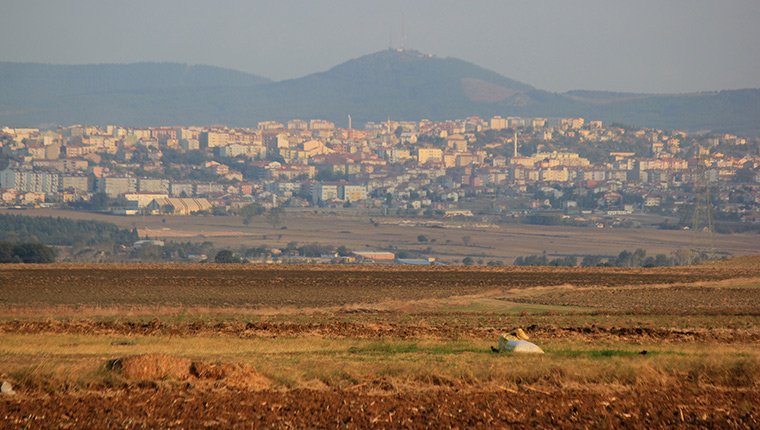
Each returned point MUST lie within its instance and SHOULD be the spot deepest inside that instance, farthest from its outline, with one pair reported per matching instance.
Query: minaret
(515, 141)
(349, 126)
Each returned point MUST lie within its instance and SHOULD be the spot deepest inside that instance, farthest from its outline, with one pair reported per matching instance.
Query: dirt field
(671, 407)
(262, 286)
(446, 238)
(194, 346)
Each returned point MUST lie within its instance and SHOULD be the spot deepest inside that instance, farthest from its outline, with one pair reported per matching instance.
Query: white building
(47, 183)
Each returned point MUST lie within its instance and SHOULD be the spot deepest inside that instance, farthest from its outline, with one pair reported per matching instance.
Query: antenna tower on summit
(403, 32)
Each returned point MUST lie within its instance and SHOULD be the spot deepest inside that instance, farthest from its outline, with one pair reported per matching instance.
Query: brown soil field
(301, 286)
(676, 299)
(209, 346)
(187, 407)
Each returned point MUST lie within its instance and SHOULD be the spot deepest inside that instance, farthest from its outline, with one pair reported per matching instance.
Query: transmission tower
(702, 217)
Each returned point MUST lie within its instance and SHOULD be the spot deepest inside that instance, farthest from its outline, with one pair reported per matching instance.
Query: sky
(657, 46)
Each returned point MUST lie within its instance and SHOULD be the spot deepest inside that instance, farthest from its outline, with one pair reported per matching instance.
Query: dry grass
(237, 375)
(54, 362)
(151, 367)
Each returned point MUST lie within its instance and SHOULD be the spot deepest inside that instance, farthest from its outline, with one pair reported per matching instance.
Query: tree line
(63, 232)
(636, 258)
(26, 253)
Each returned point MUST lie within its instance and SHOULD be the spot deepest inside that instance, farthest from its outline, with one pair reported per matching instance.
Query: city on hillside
(563, 171)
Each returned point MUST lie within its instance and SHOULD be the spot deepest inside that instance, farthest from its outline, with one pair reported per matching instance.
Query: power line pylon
(702, 217)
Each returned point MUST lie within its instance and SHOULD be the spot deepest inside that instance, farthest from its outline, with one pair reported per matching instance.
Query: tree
(662, 260)
(4, 161)
(745, 175)
(631, 259)
(275, 216)
(591, 261)
(684, 257)
(34, 253)
(405, 254)
(226, 256)
(148, 253)
(314, 250)
(422, 238)
(468, 261)
(570, 261)
(250, 211)
(623, 259)
(99, 201)
(532, 260)
(6, 253)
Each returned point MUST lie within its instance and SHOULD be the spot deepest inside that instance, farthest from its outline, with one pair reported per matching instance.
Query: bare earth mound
(151, 367)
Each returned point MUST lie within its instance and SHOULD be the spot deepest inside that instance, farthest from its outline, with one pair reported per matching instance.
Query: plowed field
(296, 286)
(671, 407)
(379, 347)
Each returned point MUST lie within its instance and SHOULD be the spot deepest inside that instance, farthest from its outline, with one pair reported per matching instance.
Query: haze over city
(643, 46)
(362, 214)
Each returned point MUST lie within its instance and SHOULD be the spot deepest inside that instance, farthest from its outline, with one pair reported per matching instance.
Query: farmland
(448, 240)
(240, 346)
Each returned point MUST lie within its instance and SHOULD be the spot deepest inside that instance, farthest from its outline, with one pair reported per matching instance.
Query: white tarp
(521, 346)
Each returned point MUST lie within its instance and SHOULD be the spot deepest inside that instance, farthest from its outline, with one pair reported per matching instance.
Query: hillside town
(560, 170)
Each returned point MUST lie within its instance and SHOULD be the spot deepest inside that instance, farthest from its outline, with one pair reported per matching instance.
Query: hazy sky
(621, 45)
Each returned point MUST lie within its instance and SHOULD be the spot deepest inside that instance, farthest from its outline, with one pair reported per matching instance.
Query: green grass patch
(385, 348)
(391, 348)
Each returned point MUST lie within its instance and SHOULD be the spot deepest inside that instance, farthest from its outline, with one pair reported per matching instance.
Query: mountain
(33, 94)
(401, 84)
(729, 111)
(38, 80)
